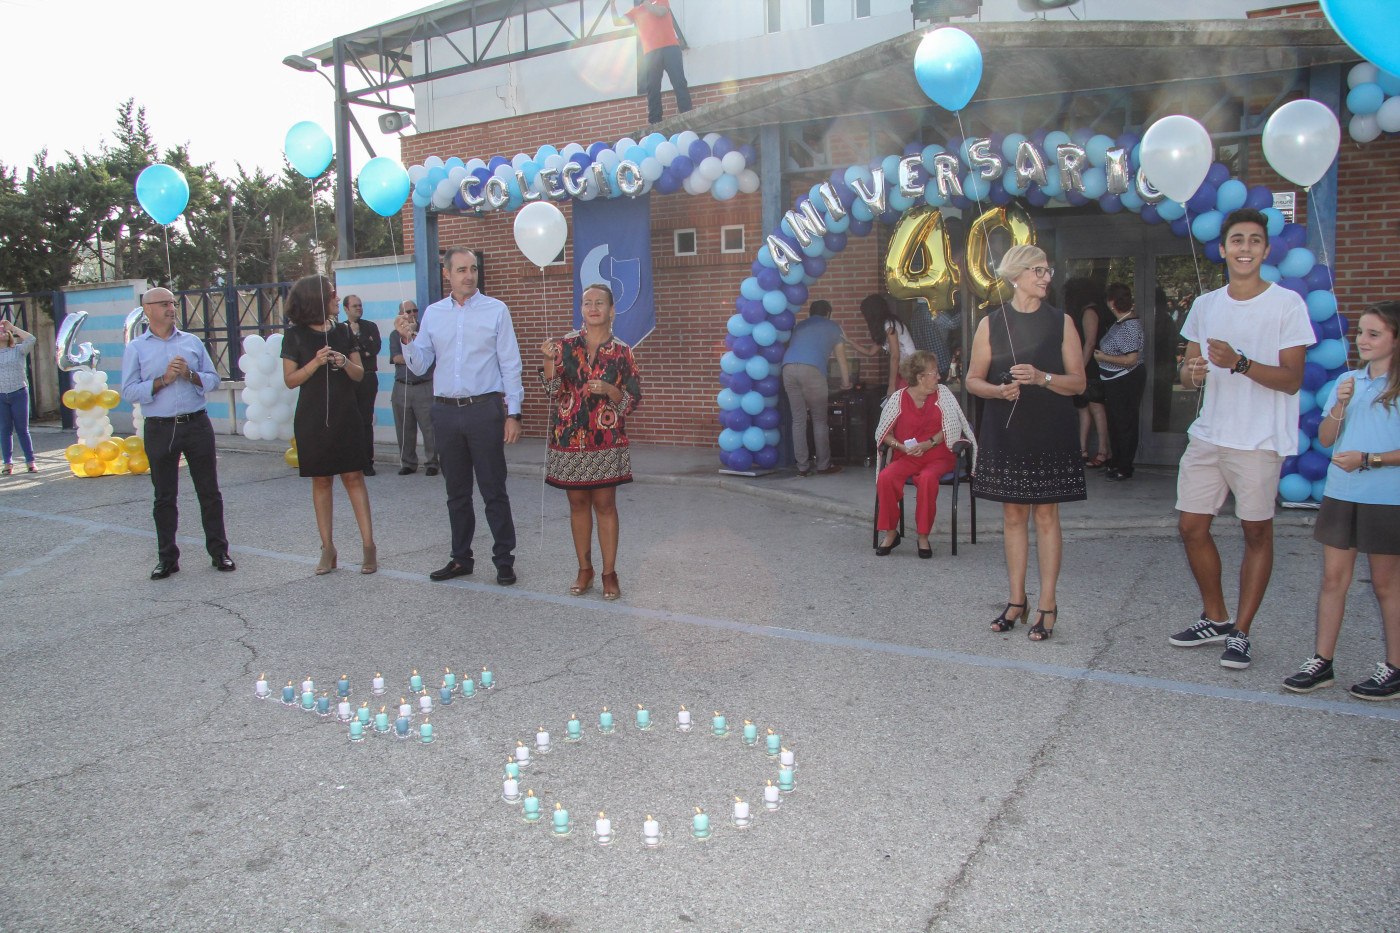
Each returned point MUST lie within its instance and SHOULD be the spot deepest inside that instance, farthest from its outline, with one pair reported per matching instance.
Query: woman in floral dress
(593, 382)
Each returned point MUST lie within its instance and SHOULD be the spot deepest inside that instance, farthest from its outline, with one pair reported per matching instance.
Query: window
(685, 242)
(818, 12)
(731, 239)
(862, 8)
(774, 15)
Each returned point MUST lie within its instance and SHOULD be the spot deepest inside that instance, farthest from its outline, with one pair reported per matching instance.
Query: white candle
(307, 686)
(405, 709)
(510, 788)
(770, 794)
(425, 703)
(683, 717)
(522, 754)
(602, 826)
(378, 684)
(651, 830)
(343, 709)
(262, 686)
(785, 758)
(741, 809)
(542, 739)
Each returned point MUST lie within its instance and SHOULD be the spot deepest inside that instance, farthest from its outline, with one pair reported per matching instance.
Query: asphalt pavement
(947, 779)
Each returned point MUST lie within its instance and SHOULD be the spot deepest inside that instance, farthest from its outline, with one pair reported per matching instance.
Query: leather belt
(178, 419)
(465, 400)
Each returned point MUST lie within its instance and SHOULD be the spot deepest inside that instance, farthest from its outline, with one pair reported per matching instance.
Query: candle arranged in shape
(532, 806)
(289, 693)
(449, 679)
(561, 820)
(651, 831)
(683, 719)
(381, 721)
(602, 828)
(721, 726)
(342, 710)
(425, 731)
(574, 728)
(786, 759)
(323, 705)
(468, 687)
(741, 811)
(643, 717)
(401, 726)
(342, 687)
(750, 733)
(522, 754)
(415, 683)
(261, 688)
(357, 730)
(377, 685)
(770, 797)
(510, 789)
(605, 721)
(425, 704)
(512, 769)
(308, 699)
(487, 679)
(445, 694)
(405, 708)
(362, 714)
(700, 824)
(542, 740)
(775, 742)
(785, 779)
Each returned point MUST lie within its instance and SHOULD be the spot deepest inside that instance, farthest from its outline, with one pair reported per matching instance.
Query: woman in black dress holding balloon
(1028, 364)
(317, 359)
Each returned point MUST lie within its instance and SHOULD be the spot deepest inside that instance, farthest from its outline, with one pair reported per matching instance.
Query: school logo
(612, 238)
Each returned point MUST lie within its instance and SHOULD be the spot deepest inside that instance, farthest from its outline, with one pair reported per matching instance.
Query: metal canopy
(1028, 60)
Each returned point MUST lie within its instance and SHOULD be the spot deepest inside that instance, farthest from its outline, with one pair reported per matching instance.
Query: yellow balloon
(116, 467)
(76, 453)
(920, 243)
(94, 467)
(77, 469)
(981, 264)
(137, 463)
(108, 450)
(109, 398)
(70, 398)
(291, 457)
(134, 445)
(84, 400)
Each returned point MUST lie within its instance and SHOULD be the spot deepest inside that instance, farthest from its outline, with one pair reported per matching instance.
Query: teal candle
(643, 717)
(512, 769)
(342, 687)
(445, 695)
(468, 687)
(323, 705)
(575, 728)
(785, 779)
(605, 720)
(363, 715)
(532, 807)
(775, 743)
(486, 678)
(381, 721)
(308, 700)
(720, 726)
(701, 824)
(415, 683)
(357, 729)
(561, 819)
(750, 732)
(289, 695)
(450, 679)
(401, 725)
(425, 732)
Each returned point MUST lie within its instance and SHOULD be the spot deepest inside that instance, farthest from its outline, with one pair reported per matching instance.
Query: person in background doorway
(15, 346)
(412, 402)
(661, 51)
(365, 342)
(805, 382)
(1119, 357)
(889, 333)
(1085, 305)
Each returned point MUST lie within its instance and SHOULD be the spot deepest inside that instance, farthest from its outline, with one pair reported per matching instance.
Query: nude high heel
(371, 560)
(327, 563)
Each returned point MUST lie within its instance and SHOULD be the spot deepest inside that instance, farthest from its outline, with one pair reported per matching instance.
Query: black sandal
(1038, 631)
(1002, 624)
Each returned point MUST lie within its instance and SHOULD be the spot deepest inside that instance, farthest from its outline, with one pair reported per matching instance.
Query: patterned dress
(588, 439)
(1030, 447)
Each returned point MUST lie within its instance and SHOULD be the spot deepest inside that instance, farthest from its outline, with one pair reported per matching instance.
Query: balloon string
(544, 472)
(1200, 290)
(169, 273)
(316, 270)
(1326, 261)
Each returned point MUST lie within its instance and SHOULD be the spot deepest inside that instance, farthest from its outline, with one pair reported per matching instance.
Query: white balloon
(284, 430)
(433, 162)
(254, 412)
(1176, 155)
(710, 138)
(554, 162)
(609, 158)
(699, 182)
(733, 162)
(474, 164)
(571, 150)
(251, 430)
(519, 160)
(249, 395)
(685, 139)
(625, 143)
(504, 172)
(268, 397)
(274, 345)
(253, 343)
(651, 168)
(710, 168)
(416, 173)
(245, 361)
(748, 181)
(1364, 73)
(1364, 127)
(686, 185)
(1300, 141)
(282, 412)
(666, 153)
(100, 376)
(540, 232)
(268, 429)
(1388, 117)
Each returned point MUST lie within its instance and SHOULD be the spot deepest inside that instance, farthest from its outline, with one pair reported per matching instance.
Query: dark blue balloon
(890, 217)
(1312, 465)
(784, 321)
(1310, 420)
(1217, 175)
(837, 241)
(495, 163)
(744, 347)
(1319, 277)
(668, 183)
(1296, 285)
(698, 150)
(1329, 329)
(726, 382)
(954, 146)
(722, 147)
(753, 311)
(1000, 196)
(1344, 324)
(1277, 250)
(1036, 197)
(737, 420)
(1203, 200)
(682, 166)
(1038, 137)
(1149, 214)
(766, 458)
(756, 269)
(1075, 198)
(750, 155)
(768, 386)
(876, 162)
(596, 148)
(997, 140)
(729, 341)
(740, 460)
(913, 149)
(1127, 141)
(769, 279)
(1289, 465)
(960, 202)
(458, 200)
(814, 266)
(1259, 198)
(1212, 251)
(773, 353)
(768, 419)
(1180, 227)
(1295, 235)
(789, 240)
(857, 228)
(1334, 373)
(1082, 135)
(796, 294)
(1314, 376)
(845, 193)
(1110, 203)
(740, 383)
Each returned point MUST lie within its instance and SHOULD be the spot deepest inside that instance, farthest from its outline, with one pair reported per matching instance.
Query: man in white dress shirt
(477, 393)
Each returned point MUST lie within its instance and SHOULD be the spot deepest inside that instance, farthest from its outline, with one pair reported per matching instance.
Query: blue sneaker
(1203, 632)
(1236, 651)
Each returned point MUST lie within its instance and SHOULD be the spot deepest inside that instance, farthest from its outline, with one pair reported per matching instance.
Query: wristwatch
(1375, 461)
(515, 416)
(1242, 364)
(1048, 378)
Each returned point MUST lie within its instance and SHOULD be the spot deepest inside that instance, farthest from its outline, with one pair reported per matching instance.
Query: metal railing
(223, 316)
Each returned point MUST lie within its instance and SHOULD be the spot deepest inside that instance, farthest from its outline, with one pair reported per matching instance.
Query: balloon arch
(990, 174)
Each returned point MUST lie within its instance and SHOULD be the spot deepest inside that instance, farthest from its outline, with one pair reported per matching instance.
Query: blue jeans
(14, 417)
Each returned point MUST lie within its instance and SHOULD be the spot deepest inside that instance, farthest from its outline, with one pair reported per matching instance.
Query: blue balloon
(736, 419)
(764, 334)
(769, 385)
(435, 175)
(729, 439)
(1312, 465)
(1149, 213)
(163, 192)
(740, 383)
(1231, 195)
(1171, 210)
(1329, 354)
(1319, 488)
(1203, 200)
(1295, 488)
(744, 348)
(1217, 174)
(725, 187)
(739, 460)
(682, 166)
(1212, 252)
(1259, 198)
(767, 458)
(784, 321)
(1322, 305)
(754, 312)
(1295, 235)
(1095, 183)
(1180, 227)
(816, 265)
(1097, 149)
(1314, 376)
(308, 148)
(1365, 98)
(948, 67)
(752, 402)
(1289, 465)
(773, 353)
(1293, 285)
(1324, 449)
(1206, 227)
(698, 151)
(383, 185)
(738, 326)
(1309, 421)
(731, 363)
(1269, 273)
(753, 437)
(1319, 277)
(1297, 263)
(793, 276)
(774, 302)
(1276, 220)
(727, 399)
(757, 367)
(1307, 401)
(768, 419)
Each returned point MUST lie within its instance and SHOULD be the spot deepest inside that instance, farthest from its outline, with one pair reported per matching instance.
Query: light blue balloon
(899, 202)
(421, 200)
(1095, 183)
(308, 148)
(1307, 401)
(772, 437)
(753, 434)
(1276, 220)
(1389, 83)
(1011, 145)
(757, 368)
(1295, 487)
(1130, 200)
(809, 280)
(1231, 195)
(948, 67)
(1207, 226)
(976, 188)
(729, 439)
(1318, 446)
(890, 164)
(530, 169)
(752, 402)
(1365, 98)
(838, 226)
(812, 249)
(1171, 210)
(1297, 263)
(436, 174)
(163, 192)
(737, 326)
(1012, 183)
(929, 152)
(1319, 487)
(636, 154)
(1052, 186)
(1097, 149)
(764, 334)
(774, 302)
(860, 211)
(1269, 273)
(1325, 392)
(771, 401)
(861, 172)
(383, 185)
(1322, 305)
(1329, 354)
(931, 196)
(750, 289)
(728, 399)
(731, 363)
(1053, 141)
(453, 162)
(765, 257)
(792, 277)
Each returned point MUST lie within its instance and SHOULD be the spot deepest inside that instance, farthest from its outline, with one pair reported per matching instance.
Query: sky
(209, 74)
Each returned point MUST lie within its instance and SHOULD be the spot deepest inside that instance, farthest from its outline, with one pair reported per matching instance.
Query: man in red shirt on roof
(661, 51)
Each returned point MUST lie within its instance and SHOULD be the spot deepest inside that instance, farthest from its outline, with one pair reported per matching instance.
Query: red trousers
(926, 472)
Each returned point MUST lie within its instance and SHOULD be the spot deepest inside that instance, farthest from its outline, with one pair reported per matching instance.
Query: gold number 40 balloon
(981, 264)
(920, 242)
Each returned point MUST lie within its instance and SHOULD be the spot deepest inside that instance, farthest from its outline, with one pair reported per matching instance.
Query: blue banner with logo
(612, 245)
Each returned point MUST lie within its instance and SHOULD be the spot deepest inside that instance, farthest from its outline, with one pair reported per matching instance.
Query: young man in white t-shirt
(1255, 335)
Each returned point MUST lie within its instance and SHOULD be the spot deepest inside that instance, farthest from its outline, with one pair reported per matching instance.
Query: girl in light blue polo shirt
(1361, 505)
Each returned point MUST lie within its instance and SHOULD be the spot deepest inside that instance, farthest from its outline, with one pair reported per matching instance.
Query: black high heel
(884, 551)
(1002, 624)
(1038, 631)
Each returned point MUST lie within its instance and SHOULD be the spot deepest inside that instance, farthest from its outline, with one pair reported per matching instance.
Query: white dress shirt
(473, 344)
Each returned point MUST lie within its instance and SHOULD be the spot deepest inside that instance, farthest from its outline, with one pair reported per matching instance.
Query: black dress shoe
(431, 471)
(404, 471)
(369, 470)
(165, 569)
(453, 569)
(225, 563)
(505, 576)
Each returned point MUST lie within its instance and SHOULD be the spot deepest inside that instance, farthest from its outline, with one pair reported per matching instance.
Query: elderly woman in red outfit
(593, 382)
(920, 423)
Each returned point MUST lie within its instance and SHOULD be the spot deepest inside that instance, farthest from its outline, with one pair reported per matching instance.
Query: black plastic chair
(960, 474)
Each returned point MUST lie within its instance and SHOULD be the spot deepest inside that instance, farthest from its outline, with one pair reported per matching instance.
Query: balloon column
(712, 165)
(269, 404)
(1374, 102)
(97, 452)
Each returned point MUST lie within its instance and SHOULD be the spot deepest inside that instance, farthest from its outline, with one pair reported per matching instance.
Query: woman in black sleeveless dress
(1028, 364)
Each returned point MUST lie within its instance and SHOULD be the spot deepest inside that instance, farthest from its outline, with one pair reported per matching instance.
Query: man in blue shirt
(168, 373)
(477, 392)
(805, 382)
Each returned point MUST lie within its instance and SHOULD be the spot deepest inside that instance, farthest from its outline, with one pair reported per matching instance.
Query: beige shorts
(1209, 473)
